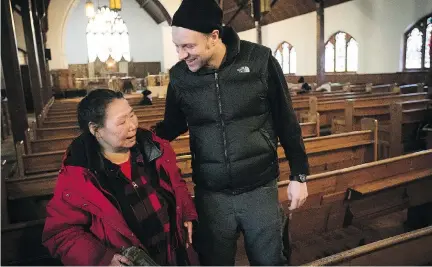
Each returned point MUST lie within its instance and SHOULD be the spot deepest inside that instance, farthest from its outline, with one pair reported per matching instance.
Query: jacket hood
(85, 151)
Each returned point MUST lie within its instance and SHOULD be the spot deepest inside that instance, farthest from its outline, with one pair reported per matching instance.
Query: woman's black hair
(301, 80)
(93, 106)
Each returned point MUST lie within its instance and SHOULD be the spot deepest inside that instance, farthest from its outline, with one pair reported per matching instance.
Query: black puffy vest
(232, 138)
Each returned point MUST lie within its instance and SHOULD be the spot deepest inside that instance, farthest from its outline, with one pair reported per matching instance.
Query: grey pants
(256, 214)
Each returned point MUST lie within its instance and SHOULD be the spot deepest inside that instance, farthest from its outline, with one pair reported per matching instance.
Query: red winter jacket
(82, 226)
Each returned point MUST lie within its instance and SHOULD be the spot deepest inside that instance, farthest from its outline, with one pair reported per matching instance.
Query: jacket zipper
(222, 121)
(118, 204)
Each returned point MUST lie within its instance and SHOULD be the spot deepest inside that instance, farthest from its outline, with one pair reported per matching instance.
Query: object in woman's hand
(138, 256)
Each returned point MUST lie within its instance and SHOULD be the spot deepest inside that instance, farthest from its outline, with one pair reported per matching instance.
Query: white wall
(171, 6)
(377, 25)
(58, 11)
(170, 57)
(145, 36)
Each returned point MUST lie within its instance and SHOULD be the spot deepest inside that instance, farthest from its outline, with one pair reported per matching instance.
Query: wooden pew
(412, 88)
(144, 121)
(59, 138)
(73, 118)
(356, 109)
(415, 112)
(22, 245)
(427, 129)
(327, 192)
(72, 112)
(401, 130)
(332, 203)
(333, 105)
(382, 88)
(70, 131)
(351, 108)
(325, 153)
(408, 249)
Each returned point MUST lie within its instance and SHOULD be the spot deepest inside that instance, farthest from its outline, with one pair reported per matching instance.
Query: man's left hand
(297, 194)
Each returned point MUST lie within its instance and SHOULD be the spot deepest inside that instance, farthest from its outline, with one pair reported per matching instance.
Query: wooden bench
(332, 203)
(72, 112)
(412, 88)
(141, 114)
(22, 244)
(408, 249)
(356, 109)
(51, 139)
(325, 153)
(390, 118)
(333, 105)
(382, 88)
(71, 131)
(327, 191)
(401, 133)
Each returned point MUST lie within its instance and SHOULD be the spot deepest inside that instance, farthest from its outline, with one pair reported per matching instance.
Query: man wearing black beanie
(233, 98)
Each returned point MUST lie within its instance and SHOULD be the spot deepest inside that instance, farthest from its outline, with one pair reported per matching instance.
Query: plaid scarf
(146, 207)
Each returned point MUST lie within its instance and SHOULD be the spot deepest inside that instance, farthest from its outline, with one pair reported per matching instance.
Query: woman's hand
(119, 260)
(188, 226)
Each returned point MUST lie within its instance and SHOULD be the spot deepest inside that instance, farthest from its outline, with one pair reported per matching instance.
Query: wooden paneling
(79, 70)
(142, 69)
(378, 78)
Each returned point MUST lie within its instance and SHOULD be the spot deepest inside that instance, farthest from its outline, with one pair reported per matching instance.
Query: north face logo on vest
(244, 69)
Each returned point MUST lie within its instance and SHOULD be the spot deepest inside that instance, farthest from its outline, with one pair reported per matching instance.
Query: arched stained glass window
(418, 44)
(341, 53)
(107, 36)
(287, 57)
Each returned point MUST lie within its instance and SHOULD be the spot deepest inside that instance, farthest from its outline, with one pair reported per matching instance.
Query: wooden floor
(318, 246)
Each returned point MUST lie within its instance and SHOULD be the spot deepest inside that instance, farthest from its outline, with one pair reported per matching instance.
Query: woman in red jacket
(118, 187)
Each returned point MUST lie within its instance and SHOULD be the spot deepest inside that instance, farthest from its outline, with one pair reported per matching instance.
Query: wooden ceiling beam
(242, 5)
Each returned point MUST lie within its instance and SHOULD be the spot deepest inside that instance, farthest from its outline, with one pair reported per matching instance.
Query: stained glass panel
(293, 60)
(414, 49)
(285, 58)
(428, 44)
(352, 55)
(341, 52)
(278, 57)
(329, 57)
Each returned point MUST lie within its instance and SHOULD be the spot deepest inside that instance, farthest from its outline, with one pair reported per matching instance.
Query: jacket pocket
(272, 146)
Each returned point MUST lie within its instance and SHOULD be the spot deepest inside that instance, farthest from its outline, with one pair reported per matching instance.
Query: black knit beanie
(198, 15)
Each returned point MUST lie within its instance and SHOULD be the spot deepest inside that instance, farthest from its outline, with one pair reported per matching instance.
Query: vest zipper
(222, 121)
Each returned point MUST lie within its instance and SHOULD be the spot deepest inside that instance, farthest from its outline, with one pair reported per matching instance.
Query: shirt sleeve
(285, 120)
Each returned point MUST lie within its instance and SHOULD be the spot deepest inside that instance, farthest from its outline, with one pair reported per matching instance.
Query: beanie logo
(244, 69)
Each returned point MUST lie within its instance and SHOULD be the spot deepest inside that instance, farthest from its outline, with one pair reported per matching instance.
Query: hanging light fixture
(265, 6)
(89, 9)
(115, 5)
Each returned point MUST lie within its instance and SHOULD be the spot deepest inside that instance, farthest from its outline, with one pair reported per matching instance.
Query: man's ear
(93, 128)
(215, 34)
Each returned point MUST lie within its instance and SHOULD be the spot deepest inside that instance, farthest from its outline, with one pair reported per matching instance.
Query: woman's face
(119, 130)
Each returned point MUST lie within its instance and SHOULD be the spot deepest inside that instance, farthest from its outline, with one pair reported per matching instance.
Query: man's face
(195, 48)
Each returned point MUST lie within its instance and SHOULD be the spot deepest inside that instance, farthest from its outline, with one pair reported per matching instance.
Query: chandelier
(107, 35)
(89, 9)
